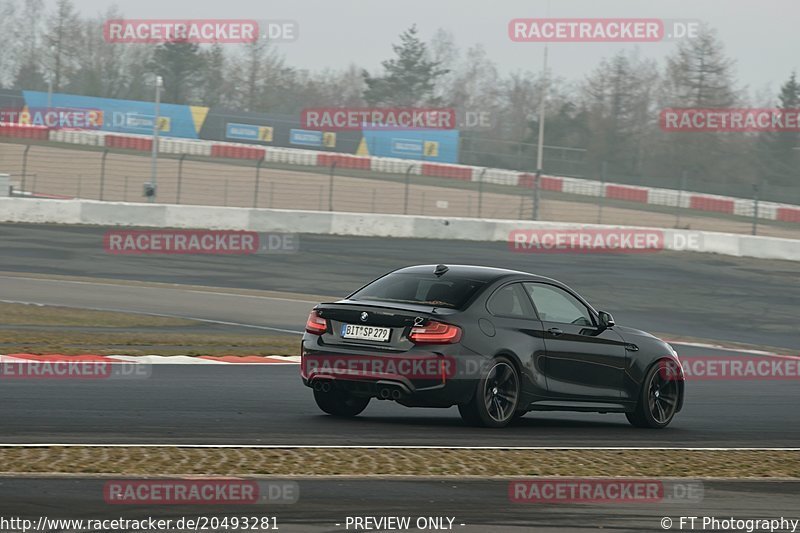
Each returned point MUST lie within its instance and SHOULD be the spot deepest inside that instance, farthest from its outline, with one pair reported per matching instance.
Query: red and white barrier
(24, 131)
(129, 142)
(626, 192)
(706, 202)
(237, 151)
(439, 170)
(390, 165)
(343, 161)
(788, 214)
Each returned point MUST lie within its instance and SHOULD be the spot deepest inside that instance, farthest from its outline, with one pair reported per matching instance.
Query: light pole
(49, 91)
(151, 195)
(542, 105)
(50, 75)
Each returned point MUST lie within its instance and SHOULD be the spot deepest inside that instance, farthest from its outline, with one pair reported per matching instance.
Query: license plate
(365, 333)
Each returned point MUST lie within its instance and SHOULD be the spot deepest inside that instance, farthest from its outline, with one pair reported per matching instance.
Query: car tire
(658, 399)
(340, 403)
(496, 397)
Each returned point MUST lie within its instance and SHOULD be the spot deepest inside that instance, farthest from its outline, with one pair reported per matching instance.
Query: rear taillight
(316, 324)
(435, 333)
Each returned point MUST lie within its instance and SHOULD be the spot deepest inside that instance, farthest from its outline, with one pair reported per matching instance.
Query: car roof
(480, 273)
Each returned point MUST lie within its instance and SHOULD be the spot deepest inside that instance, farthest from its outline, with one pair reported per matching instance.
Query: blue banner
(426, 145)
(407, 147)
(245, 132)
(124, 116)
(305, 137)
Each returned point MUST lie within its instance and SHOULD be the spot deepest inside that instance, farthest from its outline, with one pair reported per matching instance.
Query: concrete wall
(29, 210)
(4, 185)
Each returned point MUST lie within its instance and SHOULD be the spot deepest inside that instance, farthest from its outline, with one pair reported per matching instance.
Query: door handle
(555, 332)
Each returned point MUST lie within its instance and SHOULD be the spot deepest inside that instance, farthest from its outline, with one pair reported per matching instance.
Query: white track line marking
(168, 286)
(314, 302)
(392, 447)
(726, 348)
(731, 349)
(162, 315)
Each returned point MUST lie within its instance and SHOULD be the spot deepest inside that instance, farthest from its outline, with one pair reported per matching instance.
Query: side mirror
(606, 320)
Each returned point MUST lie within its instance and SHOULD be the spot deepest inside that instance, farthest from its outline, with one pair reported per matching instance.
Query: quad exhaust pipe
(321, 386)
(384, 393)
(387, 392)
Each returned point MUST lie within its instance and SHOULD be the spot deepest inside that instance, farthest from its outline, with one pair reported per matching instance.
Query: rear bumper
(421, 379)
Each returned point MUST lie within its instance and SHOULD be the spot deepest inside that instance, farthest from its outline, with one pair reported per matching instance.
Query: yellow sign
(265, 134)
(328, 139)
(164, 124)
(431, 148)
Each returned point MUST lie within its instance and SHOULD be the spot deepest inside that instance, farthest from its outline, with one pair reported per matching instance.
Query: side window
(509, 301)
(557, 305)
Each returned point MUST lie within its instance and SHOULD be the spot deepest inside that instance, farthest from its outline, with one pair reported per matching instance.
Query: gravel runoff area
(437, 462)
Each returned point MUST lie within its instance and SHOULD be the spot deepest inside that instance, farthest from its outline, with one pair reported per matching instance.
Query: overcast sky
(762, 36)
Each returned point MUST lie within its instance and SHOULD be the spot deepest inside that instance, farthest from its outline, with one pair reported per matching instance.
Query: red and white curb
(154, 359)
(260, 360)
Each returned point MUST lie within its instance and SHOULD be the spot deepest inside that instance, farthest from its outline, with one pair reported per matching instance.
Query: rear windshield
(420, 289)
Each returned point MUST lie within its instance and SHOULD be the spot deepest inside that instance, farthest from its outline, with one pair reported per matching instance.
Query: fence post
(24, 166)
(103, 174)
(480, 191)
(684, 179)
(408, 185)
(180, 179)
(536, 194)
(271, 192)
(258, 178)
(603, 170)
(756, 191)
(330, 187)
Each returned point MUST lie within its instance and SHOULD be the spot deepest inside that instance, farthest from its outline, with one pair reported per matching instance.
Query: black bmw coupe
(497, 343)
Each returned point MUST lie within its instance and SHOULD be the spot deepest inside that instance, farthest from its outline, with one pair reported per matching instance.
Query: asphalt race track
(690, 294)
(478, 504)
(267, 404)
(697, 295)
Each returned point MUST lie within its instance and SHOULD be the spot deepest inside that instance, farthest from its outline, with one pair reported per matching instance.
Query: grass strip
(40, 329)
